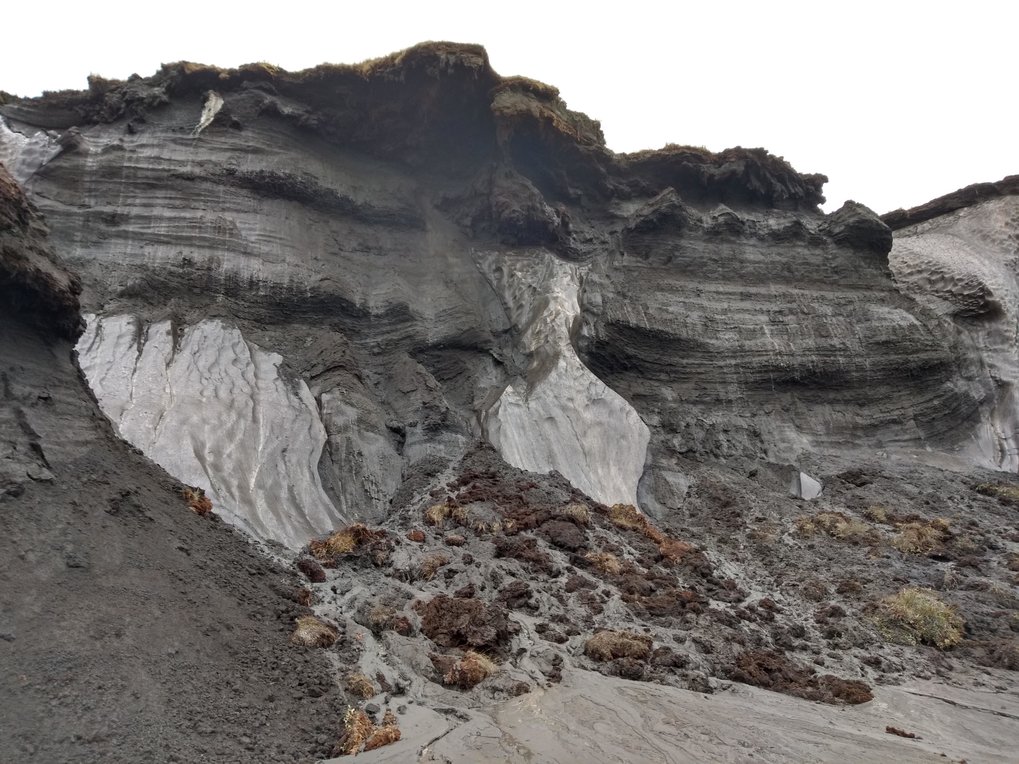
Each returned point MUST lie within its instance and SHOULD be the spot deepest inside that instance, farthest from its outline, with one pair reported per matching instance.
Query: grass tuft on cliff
(472, 669)
(311, 632)
(608, 645)
(915, 616)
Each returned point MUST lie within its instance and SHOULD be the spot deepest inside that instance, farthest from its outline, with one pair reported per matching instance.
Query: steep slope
(959, 256)
(131, 629)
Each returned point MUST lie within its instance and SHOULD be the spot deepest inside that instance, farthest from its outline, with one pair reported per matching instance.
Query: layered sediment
(356, 220)
(131, 629)
(424, 305)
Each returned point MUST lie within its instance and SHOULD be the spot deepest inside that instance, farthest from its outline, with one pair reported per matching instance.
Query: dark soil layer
(964, 197)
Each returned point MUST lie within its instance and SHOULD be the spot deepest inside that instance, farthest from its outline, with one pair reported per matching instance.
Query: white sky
(897, 101)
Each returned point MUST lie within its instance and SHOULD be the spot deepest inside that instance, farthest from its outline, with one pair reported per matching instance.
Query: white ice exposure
(213, 103)
(22, 154)
(213, 410)
(965, 265)
(562, 417)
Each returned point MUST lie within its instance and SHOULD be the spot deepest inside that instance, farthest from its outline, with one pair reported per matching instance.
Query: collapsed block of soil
(464, 622)
(525, 549)
(773, 671)
(311, 570)
(467, 672)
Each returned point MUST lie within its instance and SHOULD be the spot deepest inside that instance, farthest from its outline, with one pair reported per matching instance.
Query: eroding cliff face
(430, 254)
(741, 334)
(313, 294)
(215, 411)
(104, 568)
(964, 265)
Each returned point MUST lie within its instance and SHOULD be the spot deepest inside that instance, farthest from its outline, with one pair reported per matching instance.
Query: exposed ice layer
(965, 265)
(562, 417)
(802, 486)
(23, 155)
(213, 103)
(213, 410)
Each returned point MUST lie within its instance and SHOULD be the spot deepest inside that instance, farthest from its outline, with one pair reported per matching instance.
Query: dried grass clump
(357, 728)
(578, 512)
(189, 67)
(361, 686)
(494, 527)
(472, 669)
(431, 564)
(606, 562)
(384, 735)
(877, 514)
(916, 616)
(627, 516)
(261, 67)
(674, 550)
(527, 85)
(196, 499)
(437, 514)
(920, 537)
(837, 525)
(344, 541)
(465, 518)
(380, 617)
(608, 645)
(1003, 492)
(311, 632)
(359, 734)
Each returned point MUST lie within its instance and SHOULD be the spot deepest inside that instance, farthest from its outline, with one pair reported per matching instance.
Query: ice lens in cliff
(215, 412)
(213, 103)
(23, 155)
(564, 417)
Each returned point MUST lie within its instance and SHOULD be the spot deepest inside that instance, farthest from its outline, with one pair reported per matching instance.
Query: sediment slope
(131, 629)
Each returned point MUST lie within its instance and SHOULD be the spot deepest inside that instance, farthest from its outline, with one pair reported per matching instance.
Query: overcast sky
(897, 102)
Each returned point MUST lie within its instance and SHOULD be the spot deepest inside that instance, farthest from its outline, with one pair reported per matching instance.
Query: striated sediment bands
(536, 406)
(964, 265)
(436, 253)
